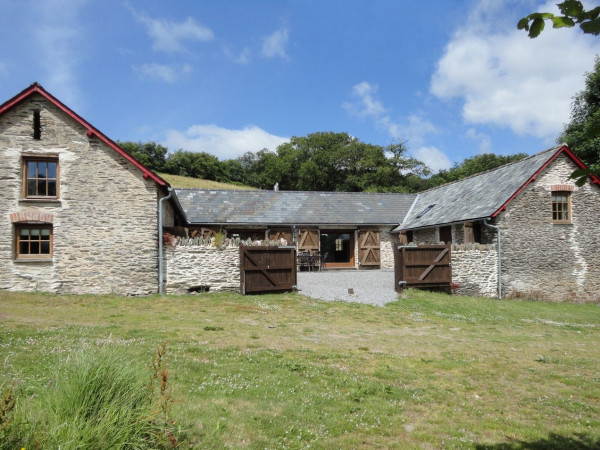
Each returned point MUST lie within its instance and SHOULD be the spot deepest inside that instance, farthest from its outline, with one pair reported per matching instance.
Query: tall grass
(98, 399)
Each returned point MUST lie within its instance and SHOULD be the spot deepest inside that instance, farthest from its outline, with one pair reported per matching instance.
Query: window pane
(35, 233)
(24, 248)
(25, 233)
(45, 233)
(41, 185)
(31, 169)
(52, 188)
(51, 170)
(45, 248)
(42, 168)
(31, 187)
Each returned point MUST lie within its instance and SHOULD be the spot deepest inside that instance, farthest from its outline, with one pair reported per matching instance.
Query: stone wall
(201, 267)
(104, 221)
(426, 236)
(546, 260)
(475, 270)
(387, 240)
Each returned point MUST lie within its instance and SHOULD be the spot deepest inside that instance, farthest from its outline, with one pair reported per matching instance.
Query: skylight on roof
(425, 211)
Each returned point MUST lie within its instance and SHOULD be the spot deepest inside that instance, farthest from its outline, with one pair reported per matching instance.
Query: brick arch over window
(31, 216)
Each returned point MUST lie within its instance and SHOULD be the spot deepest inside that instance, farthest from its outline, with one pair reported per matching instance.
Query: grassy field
(178, 181)
(277, 371)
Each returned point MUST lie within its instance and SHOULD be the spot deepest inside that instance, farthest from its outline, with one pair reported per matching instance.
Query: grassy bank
(287, 371)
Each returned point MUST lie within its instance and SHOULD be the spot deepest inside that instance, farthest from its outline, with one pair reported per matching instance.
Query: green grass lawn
(276, 371)
(178, 181)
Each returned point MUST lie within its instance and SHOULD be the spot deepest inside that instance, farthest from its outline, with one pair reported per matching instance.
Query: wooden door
(369, 248)
(308, 240)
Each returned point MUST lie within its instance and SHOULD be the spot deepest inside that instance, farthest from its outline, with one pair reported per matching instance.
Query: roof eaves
(561, 149)
(91, 130)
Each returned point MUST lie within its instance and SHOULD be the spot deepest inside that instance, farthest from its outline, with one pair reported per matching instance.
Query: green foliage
(322, 161)
(195, 164)
(572, 13)
(98, 399)
(328, 161)
(150, 154)
(470, 166)
(582, 133)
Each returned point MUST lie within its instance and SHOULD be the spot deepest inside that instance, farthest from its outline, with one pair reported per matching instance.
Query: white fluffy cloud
(274, 45)
(222, 142)
(506, 79)
(433, 157)
(170, 36)
(164, 72)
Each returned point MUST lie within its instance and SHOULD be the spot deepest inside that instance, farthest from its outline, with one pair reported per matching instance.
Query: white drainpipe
(160, 240)
(499, 257)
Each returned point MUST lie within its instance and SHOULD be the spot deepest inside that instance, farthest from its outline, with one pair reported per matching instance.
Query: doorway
(337, 247)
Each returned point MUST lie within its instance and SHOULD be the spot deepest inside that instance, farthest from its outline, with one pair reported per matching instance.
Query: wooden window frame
(559, 208)
(33, 256)
(26, 159)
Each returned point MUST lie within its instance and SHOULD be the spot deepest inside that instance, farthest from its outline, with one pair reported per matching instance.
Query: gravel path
(375, 287)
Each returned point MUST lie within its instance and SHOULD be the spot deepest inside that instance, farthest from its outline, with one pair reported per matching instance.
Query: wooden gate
(267, 269)
(368, 248)
(425, 266)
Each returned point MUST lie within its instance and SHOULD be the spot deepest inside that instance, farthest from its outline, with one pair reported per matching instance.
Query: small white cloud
(435, 159)
(366, 103)
(485, 142)
(274, 45)
(241, 58)
(170, 36)
(505, 78)
(163, 72)
(417, 129)
(222, 142)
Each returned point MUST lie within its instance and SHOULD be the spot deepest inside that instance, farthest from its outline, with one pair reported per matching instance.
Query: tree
(150, 154)
(195, 164)
(471, 166)
(572, 13)
(582, 133)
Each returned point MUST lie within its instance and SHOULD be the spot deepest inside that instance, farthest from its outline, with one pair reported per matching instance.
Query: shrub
(97, 400)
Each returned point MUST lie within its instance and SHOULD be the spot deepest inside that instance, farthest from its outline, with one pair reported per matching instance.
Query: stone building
(549, 244)
(349, 229)
(78, 214)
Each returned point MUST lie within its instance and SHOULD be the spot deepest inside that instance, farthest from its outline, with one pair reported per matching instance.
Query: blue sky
(451, 78)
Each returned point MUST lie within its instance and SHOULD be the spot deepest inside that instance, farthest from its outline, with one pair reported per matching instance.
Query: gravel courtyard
(375, 287)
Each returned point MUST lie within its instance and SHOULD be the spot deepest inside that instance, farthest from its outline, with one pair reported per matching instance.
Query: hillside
(178, 181)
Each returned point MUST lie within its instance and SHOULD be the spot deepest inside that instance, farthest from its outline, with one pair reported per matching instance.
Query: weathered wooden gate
(425, 266)
(267, 269)
(368, 248)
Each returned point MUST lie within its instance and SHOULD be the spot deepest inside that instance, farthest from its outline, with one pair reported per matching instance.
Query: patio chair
(304, 261)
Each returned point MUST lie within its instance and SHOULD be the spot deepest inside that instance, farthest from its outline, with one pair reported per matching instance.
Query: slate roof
(247, 208)
(477, 197)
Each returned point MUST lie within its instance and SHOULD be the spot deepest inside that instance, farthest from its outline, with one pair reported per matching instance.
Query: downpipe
(498, 234)
(160, 241)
